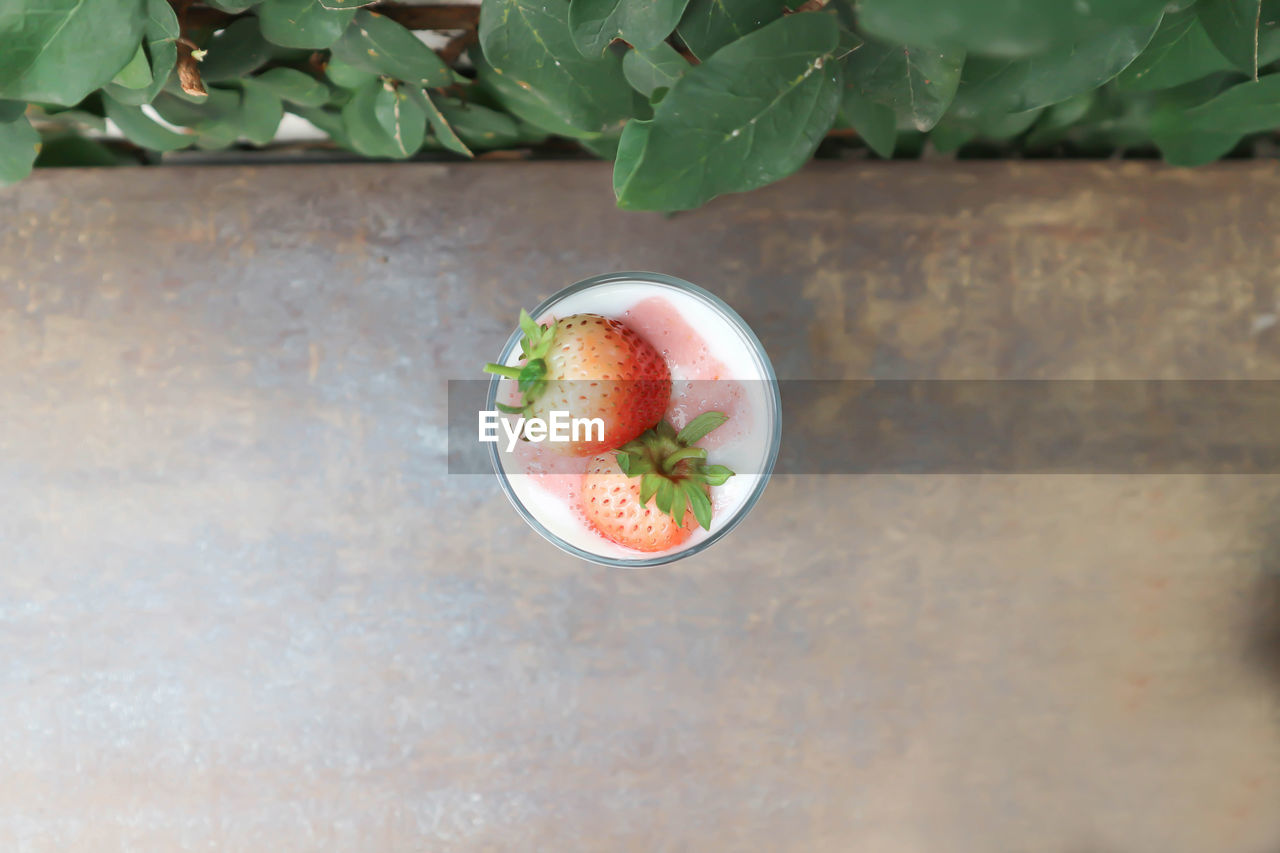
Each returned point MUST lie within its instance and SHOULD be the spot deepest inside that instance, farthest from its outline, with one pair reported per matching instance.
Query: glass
(763, 366)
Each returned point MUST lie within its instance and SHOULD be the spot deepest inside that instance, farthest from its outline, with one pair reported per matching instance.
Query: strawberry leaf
(716, 475)
(624, 462)
(666, 492)
(531, 330)
(531, 377)
(698, 502)
(649, 484)
(677, 503)
(697, 428)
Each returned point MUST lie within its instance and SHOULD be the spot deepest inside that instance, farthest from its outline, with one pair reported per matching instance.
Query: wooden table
(244, 607)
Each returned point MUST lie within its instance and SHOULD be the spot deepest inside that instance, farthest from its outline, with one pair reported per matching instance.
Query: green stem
(502, 370)
(669, 464)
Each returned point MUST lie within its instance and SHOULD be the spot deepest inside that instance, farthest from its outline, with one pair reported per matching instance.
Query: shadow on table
(1263, 640)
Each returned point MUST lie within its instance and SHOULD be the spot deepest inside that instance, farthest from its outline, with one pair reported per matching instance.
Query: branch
(437, 17)
(459, 43)
(188, 63)
(189, 70)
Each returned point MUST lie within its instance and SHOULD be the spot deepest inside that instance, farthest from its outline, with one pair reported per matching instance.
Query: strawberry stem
(672, 473)
(669, 464)
(502, 370)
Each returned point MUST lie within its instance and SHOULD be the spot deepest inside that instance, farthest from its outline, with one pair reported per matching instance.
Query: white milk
(745, 450)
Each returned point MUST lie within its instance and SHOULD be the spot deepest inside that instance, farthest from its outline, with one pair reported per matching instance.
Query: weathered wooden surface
(242, 607)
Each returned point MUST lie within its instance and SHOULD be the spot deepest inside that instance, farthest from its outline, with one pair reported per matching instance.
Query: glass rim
(775, 411)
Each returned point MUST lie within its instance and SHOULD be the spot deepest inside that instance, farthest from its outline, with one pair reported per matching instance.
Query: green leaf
(525, 104)
(235, 51)
(136, 74)
(19, 142)
(440, 127)
(604, 146)
(378, 44)
(347, 76)
(875, 123)
(698, 502)
(383, 123)
(708, 25)
(1181, 147)
(665, 494)
(716, 475)
(260, 111)
(630, 153)
(917, 83)
(643, 25)
(649, 484)
(403, 120)
(1199, 134)
(992, 86)
(1055, 121)
(329, 122)
(345, 4)
(700, 427)
(678, 503)
(72, 150)
(162, 45)
(1000, 127)
(1010, 29)
(949, 136)
(302, 23)
(533, 54)
(58, 51)
(1249, 107)
(658, 67)
(478, 126)
(75, 118)
(139, 129)
(751, 114)
(234, 7)
(291, 85)
(216, 119)
(1179, 52)
(1237, 28)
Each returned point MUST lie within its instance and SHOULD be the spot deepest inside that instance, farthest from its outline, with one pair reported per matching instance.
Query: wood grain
(243, 607)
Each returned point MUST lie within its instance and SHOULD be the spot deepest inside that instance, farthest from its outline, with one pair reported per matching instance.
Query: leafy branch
(689, 98)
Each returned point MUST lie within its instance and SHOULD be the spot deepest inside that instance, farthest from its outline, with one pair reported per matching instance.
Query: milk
(698, 343)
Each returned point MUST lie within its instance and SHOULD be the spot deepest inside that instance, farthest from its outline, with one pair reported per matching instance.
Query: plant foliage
(690, 98)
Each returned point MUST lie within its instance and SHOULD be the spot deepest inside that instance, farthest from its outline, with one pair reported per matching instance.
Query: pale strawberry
(590, 367)
(650, 494)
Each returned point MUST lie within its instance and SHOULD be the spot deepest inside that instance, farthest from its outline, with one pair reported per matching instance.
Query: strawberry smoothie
(715, 365)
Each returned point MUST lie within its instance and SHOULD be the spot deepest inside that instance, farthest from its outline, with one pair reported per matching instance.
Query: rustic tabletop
(243, 605)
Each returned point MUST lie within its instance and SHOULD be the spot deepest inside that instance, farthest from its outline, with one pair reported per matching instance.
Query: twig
(1257, 32)
(437, 17)
(189, 70)
(188, 63)
(459, 43)
(809, 6)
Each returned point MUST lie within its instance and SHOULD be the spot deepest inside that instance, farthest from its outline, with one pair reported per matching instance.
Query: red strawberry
(591, 367)
(651, 493)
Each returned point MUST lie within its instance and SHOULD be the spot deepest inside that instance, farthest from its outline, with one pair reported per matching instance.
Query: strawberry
(591, 367)
(651, 493)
